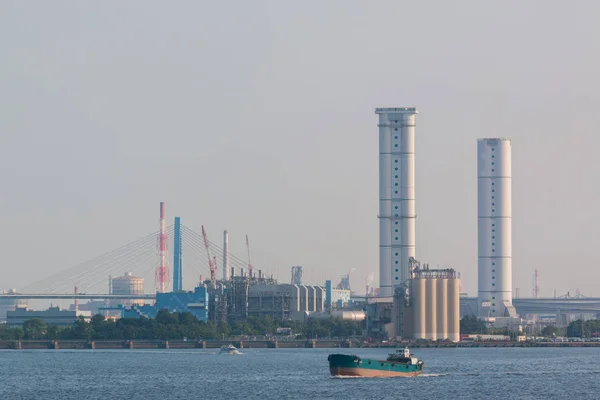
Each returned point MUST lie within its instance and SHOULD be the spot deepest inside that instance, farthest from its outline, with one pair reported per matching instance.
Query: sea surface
(461, 373)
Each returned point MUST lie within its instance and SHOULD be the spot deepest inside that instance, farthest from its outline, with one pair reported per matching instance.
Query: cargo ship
(400, 363)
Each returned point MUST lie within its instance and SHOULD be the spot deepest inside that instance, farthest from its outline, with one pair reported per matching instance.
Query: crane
(249, 264)
(212, 262)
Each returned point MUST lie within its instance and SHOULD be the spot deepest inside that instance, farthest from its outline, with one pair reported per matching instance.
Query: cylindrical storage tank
(128, 285)
(453, 310)
(442, 309)
(418, 303)
(430, 309)
(355, 315)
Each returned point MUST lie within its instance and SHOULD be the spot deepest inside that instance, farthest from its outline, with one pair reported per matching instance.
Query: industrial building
(130, 285)
(397, 212)
(339, 297)
(195, 302)
(8, 304)
(51, 316)
(432, 309)
(233, 297)
(494, 228)
(285, 301)
(425, 302)
(379, 324)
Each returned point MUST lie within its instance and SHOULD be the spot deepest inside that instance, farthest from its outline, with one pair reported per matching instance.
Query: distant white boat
(229, 350)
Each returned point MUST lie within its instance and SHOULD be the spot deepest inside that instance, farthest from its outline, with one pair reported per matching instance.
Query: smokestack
(76, 301)
(396, 195)
(107, 301)
(177, 265)
(226, 256)
(162, 272)
(494, 231)
(232, 272)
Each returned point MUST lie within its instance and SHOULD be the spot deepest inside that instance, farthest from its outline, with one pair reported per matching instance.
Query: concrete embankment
(421, 345)
(256, 344)
(171, 344)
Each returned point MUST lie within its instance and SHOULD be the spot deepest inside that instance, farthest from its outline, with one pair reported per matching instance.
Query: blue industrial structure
(177, 267)
(195, 302)
(328, 292)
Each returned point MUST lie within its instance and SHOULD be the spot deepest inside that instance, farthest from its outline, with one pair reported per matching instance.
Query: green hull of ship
(346, 365)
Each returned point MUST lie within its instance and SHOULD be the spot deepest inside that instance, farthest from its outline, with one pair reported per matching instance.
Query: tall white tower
(225, 256)
(396, 195)
(494, 229)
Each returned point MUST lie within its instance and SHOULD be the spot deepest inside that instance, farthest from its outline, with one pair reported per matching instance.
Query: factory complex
(413, 301)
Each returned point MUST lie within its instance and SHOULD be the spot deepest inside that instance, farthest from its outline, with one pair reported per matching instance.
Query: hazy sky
(258, 117)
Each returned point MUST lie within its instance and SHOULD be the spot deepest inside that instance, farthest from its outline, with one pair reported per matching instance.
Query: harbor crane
(212, 262)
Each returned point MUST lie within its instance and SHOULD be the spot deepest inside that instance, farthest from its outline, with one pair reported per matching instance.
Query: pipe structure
(397, 211)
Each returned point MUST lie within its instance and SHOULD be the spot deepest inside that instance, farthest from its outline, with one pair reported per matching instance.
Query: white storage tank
(453, 310)
(442, 309)
(430, 309)
(418, 296)
(128, 285)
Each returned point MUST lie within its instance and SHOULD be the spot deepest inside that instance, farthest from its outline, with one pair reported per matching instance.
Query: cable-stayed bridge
(140, 258)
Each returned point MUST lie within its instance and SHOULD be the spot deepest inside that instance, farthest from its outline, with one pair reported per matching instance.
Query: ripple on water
(294, 374)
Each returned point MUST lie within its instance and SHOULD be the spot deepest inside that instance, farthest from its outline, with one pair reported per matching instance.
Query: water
(463, 373)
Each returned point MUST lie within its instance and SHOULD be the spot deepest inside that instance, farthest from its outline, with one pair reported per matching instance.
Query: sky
(258, 117)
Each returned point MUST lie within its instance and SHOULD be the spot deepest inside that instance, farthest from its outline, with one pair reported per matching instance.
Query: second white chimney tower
(494, 227)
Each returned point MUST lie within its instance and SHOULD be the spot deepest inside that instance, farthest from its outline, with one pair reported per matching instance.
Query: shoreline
(258, 344)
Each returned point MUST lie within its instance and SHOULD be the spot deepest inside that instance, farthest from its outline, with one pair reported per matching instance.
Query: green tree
(188, 319)
(53, 332)
(167, 318)
(470, 324)
(82, 329)
(18, 333)
(34, 328)
(550, 330)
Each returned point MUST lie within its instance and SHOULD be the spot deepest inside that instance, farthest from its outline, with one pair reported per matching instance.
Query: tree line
(174, 326)
(470, 324)
(584, 329)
